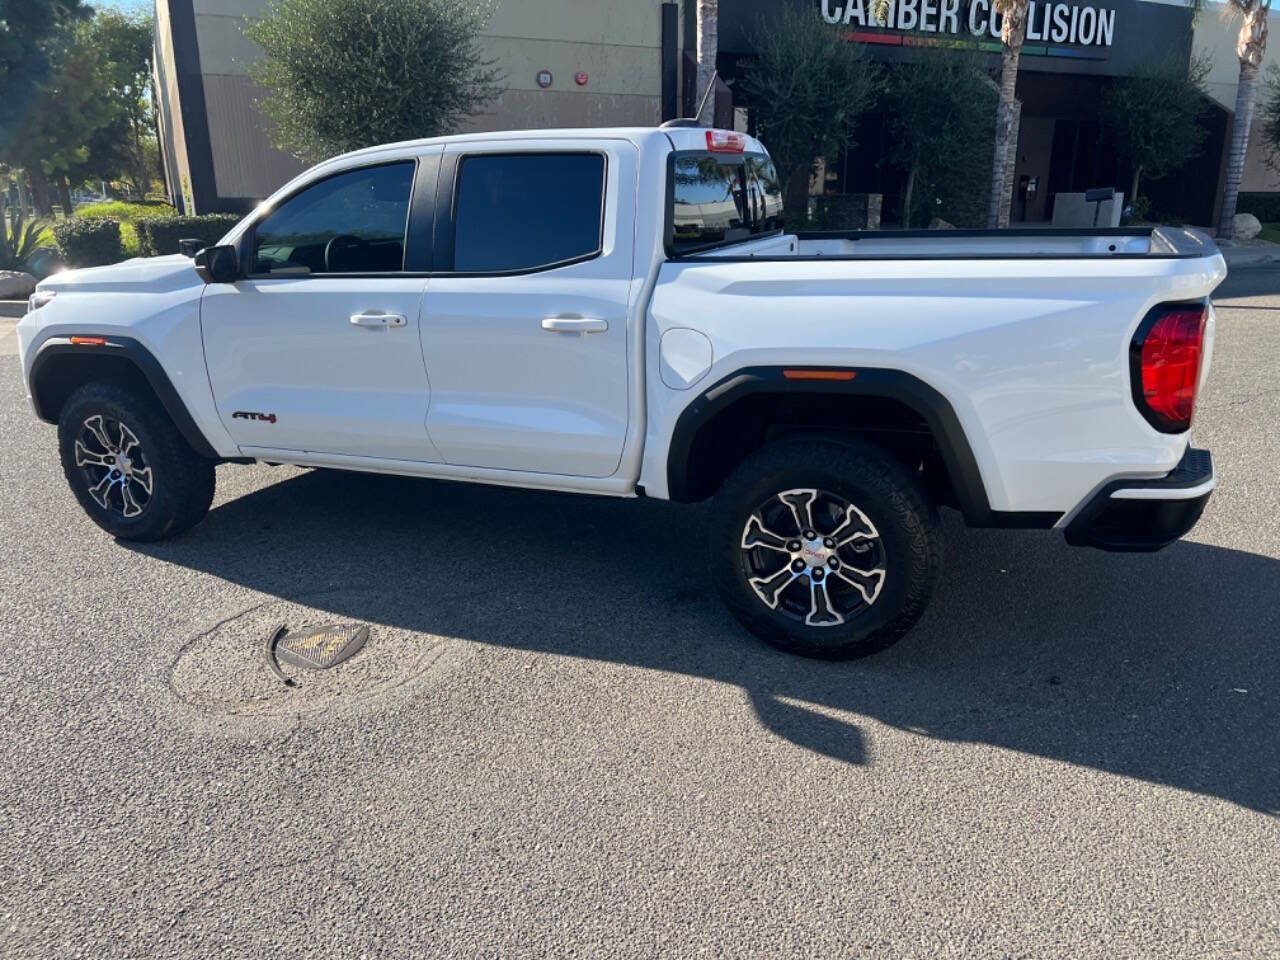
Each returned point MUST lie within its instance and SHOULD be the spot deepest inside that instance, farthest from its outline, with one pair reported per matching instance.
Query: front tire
(824, 548)
(133, 473)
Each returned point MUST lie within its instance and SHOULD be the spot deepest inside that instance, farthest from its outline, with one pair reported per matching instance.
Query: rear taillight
(1165, 363)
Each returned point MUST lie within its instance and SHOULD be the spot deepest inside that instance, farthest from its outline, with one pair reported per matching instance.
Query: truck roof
(681, 138)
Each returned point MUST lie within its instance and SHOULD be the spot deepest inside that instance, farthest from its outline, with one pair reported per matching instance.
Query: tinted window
(723, 200)
(527, 211)
(350, 223)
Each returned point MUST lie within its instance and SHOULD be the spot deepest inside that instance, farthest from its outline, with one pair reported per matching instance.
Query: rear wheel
(826, 548)
(131, 470)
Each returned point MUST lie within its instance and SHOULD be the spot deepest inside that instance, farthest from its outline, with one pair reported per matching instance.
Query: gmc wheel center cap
(814, 553)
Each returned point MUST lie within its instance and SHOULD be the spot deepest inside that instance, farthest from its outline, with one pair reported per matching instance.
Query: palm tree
(708, 46)
(1250, 48)
(1013, 30)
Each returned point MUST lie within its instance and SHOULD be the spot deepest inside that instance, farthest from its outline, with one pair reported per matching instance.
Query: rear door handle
(379, 320)
(574, 325)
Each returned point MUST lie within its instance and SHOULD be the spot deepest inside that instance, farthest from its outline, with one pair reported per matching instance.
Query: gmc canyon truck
(623, 313)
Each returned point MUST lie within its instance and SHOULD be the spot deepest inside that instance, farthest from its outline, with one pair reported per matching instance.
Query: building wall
(615, 43)
(173, 146)
(246, 166)
(1215, 36)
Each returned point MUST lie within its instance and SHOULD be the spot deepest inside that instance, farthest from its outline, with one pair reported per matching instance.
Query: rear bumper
(1137, 516)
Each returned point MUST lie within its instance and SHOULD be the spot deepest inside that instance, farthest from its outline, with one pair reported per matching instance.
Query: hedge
(159, 236)
(1264, 206)
(88, 241)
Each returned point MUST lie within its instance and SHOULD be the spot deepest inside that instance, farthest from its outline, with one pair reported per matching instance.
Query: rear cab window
(717, 199)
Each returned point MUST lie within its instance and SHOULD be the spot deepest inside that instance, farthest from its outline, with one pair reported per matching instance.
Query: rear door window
(352, 222)
(717, 199)
(524, 212)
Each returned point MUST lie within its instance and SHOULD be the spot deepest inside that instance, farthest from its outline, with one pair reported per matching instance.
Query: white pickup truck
(622, 312)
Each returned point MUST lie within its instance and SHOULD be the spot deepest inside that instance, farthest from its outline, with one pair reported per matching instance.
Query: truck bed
(1027, 333)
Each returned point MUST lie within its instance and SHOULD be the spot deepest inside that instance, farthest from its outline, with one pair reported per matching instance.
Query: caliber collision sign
(545, 78)
(1082, 25)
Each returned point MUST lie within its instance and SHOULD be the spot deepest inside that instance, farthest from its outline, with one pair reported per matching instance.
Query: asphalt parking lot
(558, 744)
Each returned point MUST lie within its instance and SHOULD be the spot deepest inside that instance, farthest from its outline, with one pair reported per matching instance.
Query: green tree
(91, 116)
(808, 86)
(33, 34)
(34, 37)
(346, 75)
(122, 146)
(1153, 119)
(53, 135)
(940, 107)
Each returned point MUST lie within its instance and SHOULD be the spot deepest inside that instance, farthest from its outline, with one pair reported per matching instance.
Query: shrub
(19, 246)
(1264, 206)
(128, 214)
(88, 241)
(159, 236)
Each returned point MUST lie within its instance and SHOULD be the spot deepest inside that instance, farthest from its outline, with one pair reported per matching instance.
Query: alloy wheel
(114, 466)
(813, 557)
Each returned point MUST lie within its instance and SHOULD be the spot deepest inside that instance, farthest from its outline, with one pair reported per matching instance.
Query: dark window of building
(353, 222)
(723, 200)
(528, 211)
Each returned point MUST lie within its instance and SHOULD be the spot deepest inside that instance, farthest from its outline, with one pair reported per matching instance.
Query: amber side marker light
(89, 341)
(820, 374)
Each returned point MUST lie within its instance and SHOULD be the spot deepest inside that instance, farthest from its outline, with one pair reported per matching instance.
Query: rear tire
(133, 473)
(824, 548)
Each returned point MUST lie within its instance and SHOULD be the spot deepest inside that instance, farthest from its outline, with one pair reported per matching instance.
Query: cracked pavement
(560, 744)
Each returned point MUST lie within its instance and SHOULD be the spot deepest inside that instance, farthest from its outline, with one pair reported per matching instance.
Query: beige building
(1215, 36)
(566, 63)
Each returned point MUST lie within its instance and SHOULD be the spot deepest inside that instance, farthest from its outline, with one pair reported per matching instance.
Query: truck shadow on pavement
(1162, 667)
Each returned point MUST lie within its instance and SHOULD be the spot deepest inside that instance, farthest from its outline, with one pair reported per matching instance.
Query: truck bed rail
(1157, 243)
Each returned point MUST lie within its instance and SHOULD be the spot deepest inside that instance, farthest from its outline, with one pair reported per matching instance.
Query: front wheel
(131, 470)
(825, 548)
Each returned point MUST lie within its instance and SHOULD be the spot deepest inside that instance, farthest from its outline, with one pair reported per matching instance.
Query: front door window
(350, 223)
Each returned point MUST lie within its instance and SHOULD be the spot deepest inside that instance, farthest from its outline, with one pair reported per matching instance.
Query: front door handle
(379, 320)
(574, 325)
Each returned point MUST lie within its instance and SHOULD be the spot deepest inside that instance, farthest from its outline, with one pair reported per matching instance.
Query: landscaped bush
(159, 236)
(88, 241)
(1264, 206)
(128, 214)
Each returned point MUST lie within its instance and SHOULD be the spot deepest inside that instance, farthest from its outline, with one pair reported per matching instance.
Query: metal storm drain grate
(315, 648)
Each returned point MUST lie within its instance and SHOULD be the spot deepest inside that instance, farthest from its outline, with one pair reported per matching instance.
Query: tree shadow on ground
(1127, 664)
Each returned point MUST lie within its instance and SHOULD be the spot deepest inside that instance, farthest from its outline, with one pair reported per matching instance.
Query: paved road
(8, 341)
(557, 744)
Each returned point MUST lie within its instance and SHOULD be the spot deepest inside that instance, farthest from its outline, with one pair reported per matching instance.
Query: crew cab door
(525, 322)
(316, 350)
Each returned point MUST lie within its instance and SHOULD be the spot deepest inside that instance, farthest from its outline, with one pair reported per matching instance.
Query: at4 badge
(260, 417)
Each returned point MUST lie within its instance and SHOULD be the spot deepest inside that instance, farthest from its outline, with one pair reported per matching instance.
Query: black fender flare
(118, 349)
(932, 407)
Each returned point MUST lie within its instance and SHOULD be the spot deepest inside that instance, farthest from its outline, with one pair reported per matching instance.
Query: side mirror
(189, 248)
(218, 264)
